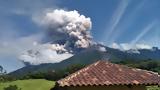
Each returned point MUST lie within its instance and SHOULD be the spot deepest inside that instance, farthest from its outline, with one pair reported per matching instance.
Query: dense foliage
(52, 74)
(149, 64)
(3, 75)
(12, 87)
(2, 70)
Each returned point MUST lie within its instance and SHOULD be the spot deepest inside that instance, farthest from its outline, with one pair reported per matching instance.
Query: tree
(56, 75)
(3, 75)
(1, 69)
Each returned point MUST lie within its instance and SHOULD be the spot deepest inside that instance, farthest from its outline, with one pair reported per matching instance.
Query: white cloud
(44, 54)
(12, 42)
(11, 48)
(102, 49)
(128, 46)
(14, 46)
(143, 46)
(115, 46)
(26, 7)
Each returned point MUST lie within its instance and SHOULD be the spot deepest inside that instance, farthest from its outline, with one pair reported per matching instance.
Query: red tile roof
(105, 73)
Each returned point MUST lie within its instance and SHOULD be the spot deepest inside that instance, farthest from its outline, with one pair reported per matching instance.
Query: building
(104, 75)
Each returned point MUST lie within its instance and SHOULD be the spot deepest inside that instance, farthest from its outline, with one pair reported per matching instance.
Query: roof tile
(106, 73)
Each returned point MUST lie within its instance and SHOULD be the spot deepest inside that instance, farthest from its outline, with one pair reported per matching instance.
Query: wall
(104, 88)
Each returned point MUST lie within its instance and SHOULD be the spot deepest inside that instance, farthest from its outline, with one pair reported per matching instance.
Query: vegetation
(153, 88)
(54, 75)
(3, 75)
(149, 64)
(12, 87)
(31, 84)
(2, 70)
(6, 78)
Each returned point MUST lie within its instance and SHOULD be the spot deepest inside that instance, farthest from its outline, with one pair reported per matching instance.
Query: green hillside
(31, 84)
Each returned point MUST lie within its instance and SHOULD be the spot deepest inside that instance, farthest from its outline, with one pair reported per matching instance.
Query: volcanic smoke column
(67, 32)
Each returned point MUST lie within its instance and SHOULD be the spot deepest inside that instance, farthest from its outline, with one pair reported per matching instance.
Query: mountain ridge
(89, 56)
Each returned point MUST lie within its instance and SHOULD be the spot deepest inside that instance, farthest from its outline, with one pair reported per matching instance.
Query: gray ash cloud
(67, 32)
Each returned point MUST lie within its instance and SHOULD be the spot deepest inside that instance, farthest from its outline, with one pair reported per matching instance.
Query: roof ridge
(83, 69)
(91, 74)
(134, 68)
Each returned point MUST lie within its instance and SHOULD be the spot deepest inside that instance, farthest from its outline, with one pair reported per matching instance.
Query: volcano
(90, 55)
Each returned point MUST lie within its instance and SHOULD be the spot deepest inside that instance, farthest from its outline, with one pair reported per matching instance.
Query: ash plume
(67, 33)
(69, 26)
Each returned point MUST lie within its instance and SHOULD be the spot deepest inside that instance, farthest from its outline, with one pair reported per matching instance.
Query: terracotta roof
(105, 73)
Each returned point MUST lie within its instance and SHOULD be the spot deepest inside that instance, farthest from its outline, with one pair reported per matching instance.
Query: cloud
(143, 46)
(14, 36)
(74, 33)
(155, 40)
(45, 53)
(102, 49)
(13, 46)
(67, 32)
(134, 44)
(144, 32)
(26, 7)
(12, 40)
(116, 18)
(68, 25)
(115, 46)
(127, 21)
(128, 46)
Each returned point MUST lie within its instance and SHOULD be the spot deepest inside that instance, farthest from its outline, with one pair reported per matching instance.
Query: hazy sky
(113, 22)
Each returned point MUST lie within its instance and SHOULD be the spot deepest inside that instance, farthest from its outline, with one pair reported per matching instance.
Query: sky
(115, 23)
